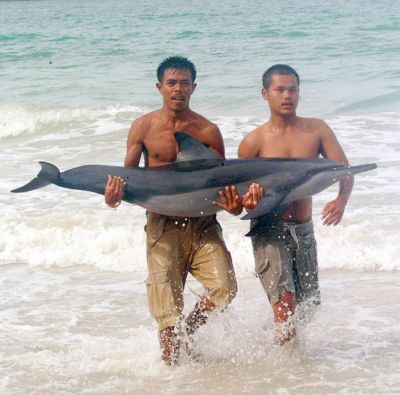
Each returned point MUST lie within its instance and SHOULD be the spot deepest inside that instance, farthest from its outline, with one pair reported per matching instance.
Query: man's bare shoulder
(257, 134)
(141, 125)
(252, 142)
(146, 120)
(315, 125)
(202, 122)
(203, 128)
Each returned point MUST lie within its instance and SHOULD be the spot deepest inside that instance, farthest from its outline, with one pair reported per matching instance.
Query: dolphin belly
(322, 180)
(315, 184)
(190, 204)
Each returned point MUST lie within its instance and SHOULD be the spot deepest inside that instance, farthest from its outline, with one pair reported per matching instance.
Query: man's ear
(158, 85)
(194, 86)
(264, 93)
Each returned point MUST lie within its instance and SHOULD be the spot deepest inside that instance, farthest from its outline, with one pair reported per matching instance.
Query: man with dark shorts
(285, 254)
(177, 246)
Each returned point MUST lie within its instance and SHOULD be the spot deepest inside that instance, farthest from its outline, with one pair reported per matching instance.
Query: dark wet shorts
(177, 246)
(286, 260)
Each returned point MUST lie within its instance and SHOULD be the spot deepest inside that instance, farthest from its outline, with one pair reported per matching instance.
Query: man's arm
(114, 189)
(333, 211)
(230, 200)
(213, 138)
(134, 145)
(249, 148)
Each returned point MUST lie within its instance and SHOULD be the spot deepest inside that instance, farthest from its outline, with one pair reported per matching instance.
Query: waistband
(297, 229)
(180, 219)
(299, 226)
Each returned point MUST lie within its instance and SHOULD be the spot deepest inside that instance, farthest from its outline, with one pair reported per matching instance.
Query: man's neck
(280, 122)
(175, 116)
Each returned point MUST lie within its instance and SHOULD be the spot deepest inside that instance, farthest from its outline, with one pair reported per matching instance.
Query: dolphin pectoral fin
(36, 183)
(266, 204)
(191, 149)
(265, 225)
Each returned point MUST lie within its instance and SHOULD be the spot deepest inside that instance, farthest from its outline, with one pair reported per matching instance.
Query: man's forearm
(345, 188)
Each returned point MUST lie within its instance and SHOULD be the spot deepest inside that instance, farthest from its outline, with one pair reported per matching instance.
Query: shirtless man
(177, 246)
(286, 260)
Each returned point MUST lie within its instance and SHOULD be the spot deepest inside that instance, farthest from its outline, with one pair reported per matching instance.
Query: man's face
(176, 88)
(283, 94)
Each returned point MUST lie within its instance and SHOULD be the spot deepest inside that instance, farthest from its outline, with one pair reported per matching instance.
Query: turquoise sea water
(96, 53)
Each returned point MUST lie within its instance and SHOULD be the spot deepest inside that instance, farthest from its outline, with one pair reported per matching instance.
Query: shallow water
(78, 330)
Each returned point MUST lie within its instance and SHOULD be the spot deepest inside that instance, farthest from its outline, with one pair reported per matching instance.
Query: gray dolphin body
(187, 187)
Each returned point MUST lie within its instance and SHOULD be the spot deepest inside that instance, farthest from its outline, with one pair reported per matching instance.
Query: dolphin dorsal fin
(191, 149)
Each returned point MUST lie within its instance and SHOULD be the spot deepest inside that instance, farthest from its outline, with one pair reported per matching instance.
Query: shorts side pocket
(262, 266)
(160, 297)
(154, 228)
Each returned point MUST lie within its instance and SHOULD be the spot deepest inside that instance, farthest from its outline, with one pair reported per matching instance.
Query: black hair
(176, 63)
(278, 69)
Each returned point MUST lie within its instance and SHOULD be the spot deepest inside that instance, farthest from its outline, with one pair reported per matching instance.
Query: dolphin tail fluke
(47, 175)
(362, 168)
(36, 183)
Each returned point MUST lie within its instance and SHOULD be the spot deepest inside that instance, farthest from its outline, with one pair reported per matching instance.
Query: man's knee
(223, 294)
(164, 301)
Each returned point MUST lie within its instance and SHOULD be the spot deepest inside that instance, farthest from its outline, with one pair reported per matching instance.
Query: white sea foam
(19, 119)
(74, 330)
(53, 226)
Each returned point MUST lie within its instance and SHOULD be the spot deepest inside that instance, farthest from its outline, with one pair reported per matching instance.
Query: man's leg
(274, 263)
(283, 314)
(306, 273)
(165, 259)
(212, 267)
(169, 343)
(199, 315)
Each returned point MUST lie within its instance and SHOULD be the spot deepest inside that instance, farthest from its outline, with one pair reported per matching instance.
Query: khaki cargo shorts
(177, 246)
(286, 260)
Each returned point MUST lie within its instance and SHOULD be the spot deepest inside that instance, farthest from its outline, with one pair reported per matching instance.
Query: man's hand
(333, 212)
(253, 196)
(231, 201)
(114, 191)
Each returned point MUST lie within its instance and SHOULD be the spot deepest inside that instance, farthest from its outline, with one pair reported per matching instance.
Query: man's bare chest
(290, 147)
(161, 146)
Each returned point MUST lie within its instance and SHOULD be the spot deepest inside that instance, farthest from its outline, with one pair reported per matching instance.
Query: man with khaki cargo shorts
(177, 246)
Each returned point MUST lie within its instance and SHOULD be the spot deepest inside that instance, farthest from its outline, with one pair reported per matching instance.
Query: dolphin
(188, 186)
